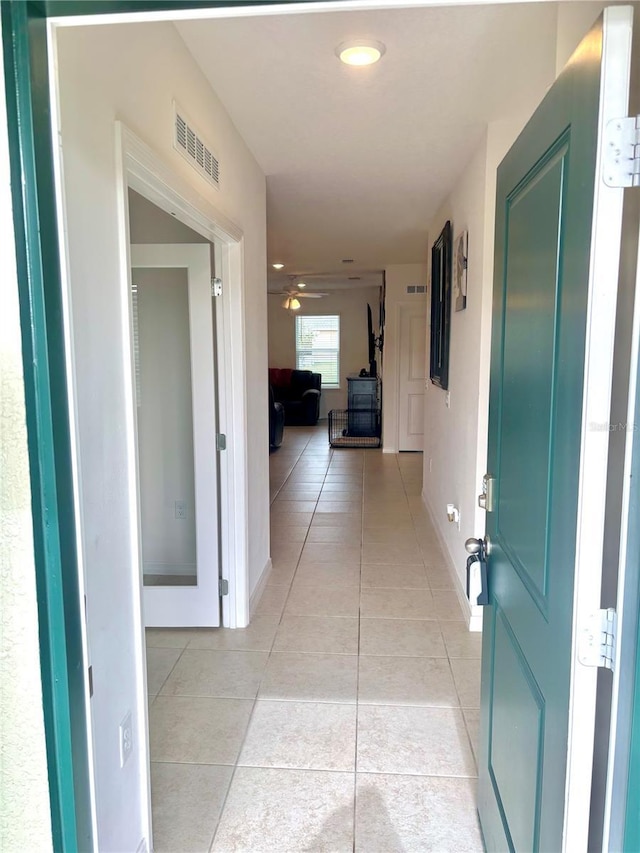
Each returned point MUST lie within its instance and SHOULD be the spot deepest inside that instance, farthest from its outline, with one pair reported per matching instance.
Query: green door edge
(60, 614)
(48, 435)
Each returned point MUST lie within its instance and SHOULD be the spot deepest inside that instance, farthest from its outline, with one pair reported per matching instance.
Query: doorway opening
(174, 356)
(245, 519)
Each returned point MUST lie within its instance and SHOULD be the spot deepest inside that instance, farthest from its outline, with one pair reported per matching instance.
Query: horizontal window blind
(318, 347)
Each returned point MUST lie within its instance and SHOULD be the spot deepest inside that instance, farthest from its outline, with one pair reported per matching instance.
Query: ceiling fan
(296, 292)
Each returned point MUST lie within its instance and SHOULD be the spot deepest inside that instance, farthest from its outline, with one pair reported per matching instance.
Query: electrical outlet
(181, 509)
(126, 739)
(447, 400)
(430, 464)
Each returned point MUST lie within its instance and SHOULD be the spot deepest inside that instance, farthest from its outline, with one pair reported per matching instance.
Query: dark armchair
(299, 392)
(276, 421)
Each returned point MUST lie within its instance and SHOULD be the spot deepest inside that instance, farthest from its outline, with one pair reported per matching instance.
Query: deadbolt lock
(485, 500)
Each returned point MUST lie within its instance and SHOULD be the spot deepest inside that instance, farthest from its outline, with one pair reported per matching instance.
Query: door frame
(621, 823)
(594, 460)
(140, 169)
(27, 28)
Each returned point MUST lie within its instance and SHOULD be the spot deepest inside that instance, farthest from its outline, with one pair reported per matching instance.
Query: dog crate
(355, 428)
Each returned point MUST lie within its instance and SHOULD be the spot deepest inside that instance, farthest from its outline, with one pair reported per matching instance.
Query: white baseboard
(263, 580)
(389, 450)
(473, 620)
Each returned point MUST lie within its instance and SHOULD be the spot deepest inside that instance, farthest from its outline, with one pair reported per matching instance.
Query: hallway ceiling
(358, 160)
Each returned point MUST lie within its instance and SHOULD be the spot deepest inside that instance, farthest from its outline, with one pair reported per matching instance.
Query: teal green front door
(553, 326)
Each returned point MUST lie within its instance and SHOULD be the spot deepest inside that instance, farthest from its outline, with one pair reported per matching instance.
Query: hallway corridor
(344, 718)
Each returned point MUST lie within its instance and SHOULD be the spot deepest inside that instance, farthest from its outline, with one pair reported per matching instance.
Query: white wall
(575, 19)
(351, 306)
(149, 224)
(25, 818)
(451, 433)
(456, 437)
(133, 73)
(455, 456)
(165, 422)
(397, 277)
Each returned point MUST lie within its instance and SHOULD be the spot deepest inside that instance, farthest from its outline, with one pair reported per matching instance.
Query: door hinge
(216, 287)
(622, 152)
(224, 587)
(90, 673)
(597, 642)
(221, 441)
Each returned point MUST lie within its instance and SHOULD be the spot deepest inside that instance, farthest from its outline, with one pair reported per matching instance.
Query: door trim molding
(621, 824)
(142, 170)
(594, 442)
(138, 167)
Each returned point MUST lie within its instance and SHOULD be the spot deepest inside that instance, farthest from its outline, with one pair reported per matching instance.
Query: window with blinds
(318, 347)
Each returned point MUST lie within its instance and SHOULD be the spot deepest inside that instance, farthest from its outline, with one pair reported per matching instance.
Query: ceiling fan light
(285, 304)
(360, 52)
(294, 303)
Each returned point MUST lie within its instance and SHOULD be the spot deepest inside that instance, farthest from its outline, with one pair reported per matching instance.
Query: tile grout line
(270, 653)
(182, 651)
(241, 747)
(284, 482)
(304, 542)
(355, 757)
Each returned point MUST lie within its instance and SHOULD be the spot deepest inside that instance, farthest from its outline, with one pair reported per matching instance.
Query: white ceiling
(358, 160)
(326, 281)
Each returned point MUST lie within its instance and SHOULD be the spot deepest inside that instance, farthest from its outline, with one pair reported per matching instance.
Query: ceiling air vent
(189, 143)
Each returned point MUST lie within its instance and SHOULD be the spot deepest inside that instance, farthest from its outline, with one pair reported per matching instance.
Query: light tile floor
(345, 717)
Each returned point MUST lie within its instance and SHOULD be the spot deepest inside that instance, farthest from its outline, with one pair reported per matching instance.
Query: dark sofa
(299, 392)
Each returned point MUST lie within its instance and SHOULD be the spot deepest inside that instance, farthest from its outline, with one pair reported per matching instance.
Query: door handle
(474, 546)
(479, 547)
(477, 586)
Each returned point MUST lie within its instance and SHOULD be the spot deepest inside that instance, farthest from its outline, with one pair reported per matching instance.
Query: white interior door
(412, 366)
(174, 366)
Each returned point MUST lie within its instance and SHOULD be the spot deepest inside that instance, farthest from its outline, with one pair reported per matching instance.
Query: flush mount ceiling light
(302, 284)
(360, 51)
(277, 266)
